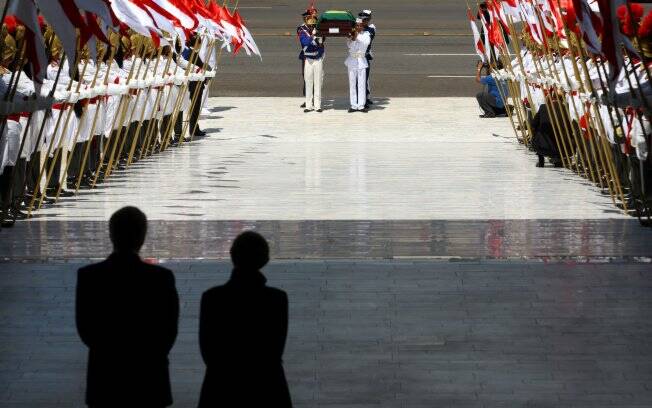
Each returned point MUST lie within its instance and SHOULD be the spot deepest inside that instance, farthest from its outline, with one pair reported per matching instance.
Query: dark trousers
(488, 104)
(6, 188)
(196, 110)
(75, 161)
(33, 169)
(368, 85)
(56, 172)
(176, 129)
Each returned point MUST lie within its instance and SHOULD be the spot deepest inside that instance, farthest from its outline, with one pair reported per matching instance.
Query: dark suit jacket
(242, 331)
(127, 313)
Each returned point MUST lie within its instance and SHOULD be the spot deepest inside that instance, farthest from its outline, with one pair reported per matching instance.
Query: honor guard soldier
(313, 52)
(358, 43)
(303, 28)
(365, 15)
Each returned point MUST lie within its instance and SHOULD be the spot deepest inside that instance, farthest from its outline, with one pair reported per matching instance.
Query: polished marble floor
(409, 158)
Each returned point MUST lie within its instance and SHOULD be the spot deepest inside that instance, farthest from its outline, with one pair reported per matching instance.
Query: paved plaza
(427, 261)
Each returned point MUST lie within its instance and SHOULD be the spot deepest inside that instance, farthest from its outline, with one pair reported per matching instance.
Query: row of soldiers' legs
(584, 153)
(20, 182)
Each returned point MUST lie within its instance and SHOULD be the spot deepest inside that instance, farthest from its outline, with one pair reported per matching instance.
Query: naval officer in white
(357, 64)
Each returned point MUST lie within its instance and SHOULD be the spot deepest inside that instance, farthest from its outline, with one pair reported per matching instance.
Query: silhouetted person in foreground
(127, 315)
(242, 330)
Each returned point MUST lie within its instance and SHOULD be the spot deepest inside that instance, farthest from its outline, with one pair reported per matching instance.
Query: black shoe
(199, 133)
(66, 193)
(369, 101)
(351, 110)
(364, 110)
(485, 116)
(16, 214)
(303, 105)
(307, 110)
(366, 106)
(8, 221)
(319, 111)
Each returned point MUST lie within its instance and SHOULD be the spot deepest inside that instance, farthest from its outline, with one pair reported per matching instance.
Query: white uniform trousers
(358, 88)
(314, 75)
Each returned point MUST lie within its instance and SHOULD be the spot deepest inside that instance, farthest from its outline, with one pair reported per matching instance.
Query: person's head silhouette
(128, 227)
(250, 251)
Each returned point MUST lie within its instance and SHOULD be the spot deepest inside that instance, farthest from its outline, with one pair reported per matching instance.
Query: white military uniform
(357, 65)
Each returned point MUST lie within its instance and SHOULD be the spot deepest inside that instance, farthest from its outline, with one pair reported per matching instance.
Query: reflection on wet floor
(482, 239)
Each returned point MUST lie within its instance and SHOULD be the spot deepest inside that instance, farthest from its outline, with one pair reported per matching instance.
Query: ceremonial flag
(136, 19)
(98, 7)
(511, 8)
(498, 15)
(27, 15)
(590, 25)
(185, 11)
(186, 21)
(485, 31)
(479, 47)
(64, 17)
(532, 21)
(160, 22)
(231, 33)
(612, 39)
(246, 35)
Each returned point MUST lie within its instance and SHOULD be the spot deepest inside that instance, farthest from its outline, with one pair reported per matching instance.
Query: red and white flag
(530, 16)
(64, 18)
(246, 35)
(27, 15)
(613, 39)
(590, 25)
(511, 9)
(136, 18)
(477, 41)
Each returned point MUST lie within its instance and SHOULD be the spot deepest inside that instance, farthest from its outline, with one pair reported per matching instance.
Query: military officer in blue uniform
(304, 29)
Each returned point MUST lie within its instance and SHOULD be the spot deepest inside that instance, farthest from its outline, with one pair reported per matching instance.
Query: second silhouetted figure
(242, 332)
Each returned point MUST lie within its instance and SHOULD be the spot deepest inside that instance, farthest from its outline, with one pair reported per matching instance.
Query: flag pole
(62, 140)
(97, 111)
(603, 164)
(217, 61)
(193, 101)
(517, 50)
(194, 127)
(137, 137)
(123, 138)
(168, 98)
(565, 134)
(181, 94)
(118, 119)
(79, 128)
(556, 127)
(493, 67)
(152, 127)
(63, 110)
(42, 128)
